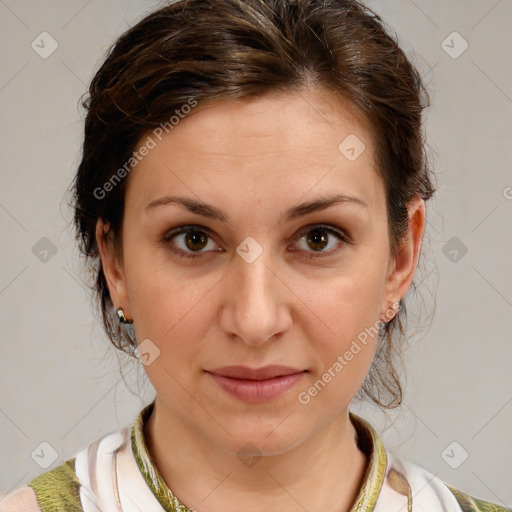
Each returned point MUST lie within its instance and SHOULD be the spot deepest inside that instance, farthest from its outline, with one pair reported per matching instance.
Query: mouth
(256, 385)
(264, 373)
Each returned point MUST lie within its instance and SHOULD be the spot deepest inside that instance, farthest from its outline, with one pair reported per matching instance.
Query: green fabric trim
(58, 489)
(368, 441)
(155, 482)
(469, 504)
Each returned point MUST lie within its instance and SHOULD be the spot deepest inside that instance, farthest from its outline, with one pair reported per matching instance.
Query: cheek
(172, 314)
(171, 309)
(345, 304)
(175, 314)
(342, 326)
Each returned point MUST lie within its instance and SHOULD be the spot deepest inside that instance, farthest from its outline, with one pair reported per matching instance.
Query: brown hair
(209, 50)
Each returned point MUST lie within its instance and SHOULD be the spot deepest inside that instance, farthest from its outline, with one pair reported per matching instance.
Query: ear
(112, 268)
(403, 267)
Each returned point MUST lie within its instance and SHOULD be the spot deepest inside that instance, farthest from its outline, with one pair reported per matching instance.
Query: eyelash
(343, 237)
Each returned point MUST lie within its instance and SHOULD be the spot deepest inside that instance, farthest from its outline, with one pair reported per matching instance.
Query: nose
(255, 302)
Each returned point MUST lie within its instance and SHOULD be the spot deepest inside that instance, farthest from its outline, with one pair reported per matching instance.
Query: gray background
(61, 384)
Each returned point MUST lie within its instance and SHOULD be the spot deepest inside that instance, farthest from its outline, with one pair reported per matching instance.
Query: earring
(122, 318)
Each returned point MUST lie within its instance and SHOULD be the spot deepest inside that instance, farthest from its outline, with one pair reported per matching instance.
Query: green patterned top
(389, 482)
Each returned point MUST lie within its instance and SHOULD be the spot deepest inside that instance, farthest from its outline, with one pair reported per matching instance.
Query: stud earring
(122, 318)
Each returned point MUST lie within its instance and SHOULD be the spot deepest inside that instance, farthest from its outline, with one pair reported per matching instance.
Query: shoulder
(470, 504)
(22, 500)
(428, 492)
(65, 487)
(56, 489)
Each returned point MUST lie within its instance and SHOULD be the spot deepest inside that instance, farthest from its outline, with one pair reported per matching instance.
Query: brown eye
(196, 240)
(187, 240)
(317, 239)
(320, 237)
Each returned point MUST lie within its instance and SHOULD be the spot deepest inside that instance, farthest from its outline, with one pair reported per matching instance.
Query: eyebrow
(213, 212)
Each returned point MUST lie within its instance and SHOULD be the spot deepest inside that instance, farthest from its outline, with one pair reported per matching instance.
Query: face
(253, 280)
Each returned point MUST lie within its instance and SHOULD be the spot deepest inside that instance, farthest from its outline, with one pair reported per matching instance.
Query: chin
(263, 437)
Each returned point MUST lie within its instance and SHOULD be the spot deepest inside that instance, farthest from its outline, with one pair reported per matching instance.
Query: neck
(325, 472)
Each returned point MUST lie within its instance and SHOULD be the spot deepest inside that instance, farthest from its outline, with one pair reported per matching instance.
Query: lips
(256, 385)
(246, 373)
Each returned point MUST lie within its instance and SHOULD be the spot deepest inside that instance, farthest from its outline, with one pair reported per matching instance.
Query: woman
(252, 199)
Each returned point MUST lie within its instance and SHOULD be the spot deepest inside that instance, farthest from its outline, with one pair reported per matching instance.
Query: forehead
(285, 144)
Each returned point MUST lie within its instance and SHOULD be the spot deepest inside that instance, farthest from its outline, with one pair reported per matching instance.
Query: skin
(255, 159)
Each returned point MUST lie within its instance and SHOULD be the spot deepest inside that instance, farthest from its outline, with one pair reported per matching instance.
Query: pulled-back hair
(203, 51)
